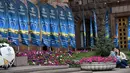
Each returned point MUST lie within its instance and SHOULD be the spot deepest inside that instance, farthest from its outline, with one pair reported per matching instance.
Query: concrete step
(59, 70)
(25, 69)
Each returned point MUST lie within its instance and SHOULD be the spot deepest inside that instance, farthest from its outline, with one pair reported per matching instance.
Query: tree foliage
(103, 45)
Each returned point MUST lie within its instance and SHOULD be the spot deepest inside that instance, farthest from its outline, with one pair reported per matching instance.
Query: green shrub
(103, 45)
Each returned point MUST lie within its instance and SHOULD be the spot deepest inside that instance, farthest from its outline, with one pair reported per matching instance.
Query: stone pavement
(117, 70)
(56, 69)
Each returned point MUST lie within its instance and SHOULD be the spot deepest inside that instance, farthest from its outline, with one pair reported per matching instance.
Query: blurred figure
(113, 52)
(122, 59)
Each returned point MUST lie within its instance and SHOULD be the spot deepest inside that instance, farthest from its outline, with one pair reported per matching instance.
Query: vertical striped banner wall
(107, 29)
(91, 33)
(71, 27)
(34, 24)
(129, 32)
(63, 27)
(95, 24)
(13, 27)
(54, 26)
(45, 23)
(3, 19)
(23, 22)
(116, 36)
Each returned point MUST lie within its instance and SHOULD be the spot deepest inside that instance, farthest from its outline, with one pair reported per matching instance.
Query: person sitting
(122, 59)
(113, 52)
(120, 56)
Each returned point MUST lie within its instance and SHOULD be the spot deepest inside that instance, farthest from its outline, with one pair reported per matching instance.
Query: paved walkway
(117, 70)
(56, 69)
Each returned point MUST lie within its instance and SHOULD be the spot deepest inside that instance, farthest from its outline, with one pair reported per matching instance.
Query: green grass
(78, 56)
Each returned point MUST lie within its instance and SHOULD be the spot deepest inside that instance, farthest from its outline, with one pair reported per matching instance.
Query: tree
(103, 45)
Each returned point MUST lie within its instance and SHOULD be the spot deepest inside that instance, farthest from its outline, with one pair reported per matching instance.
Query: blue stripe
(12, 22)
(107, 34)
(71, 27)
(63, 27)
(3, 20)
(23, 22)
(45, 23)
(91, 33)
(34, 25)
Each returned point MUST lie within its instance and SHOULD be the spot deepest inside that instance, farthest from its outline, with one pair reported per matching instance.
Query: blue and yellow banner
(129, 32)
(12, 20)
(71, 27)
(91, 34)
(23, 22)
(84, 28)
(3, 22)
(54, 27)
(34, 24)
(116, 44)
(95, 23)
(63, 27)
(107, 29)
(45, 23)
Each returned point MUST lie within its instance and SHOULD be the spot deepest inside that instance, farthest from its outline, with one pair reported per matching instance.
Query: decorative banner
(129, 32)
(34, 24)
(71, 27)
(84, 27)
(3, 23)
(116, 37)
(63, 27)
(107, 33)
(95, 23)
(54, 23)
(13, 27)
(45, 23)
(23, 22)
(91, 33)
(24, 1)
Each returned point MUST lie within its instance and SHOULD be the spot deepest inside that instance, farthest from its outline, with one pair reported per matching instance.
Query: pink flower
(97, 59)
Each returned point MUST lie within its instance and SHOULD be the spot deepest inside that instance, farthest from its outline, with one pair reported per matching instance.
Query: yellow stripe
(55, 34)
(13, 31)
(91, 35)
(34, 32)
(4, 30)
(84, 33)
(23, 32)
(72, 35)
(46, 33)
(63, 34)
(128, 38)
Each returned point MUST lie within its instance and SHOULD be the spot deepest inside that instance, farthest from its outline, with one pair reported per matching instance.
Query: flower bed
(45, 57)
(98, 63)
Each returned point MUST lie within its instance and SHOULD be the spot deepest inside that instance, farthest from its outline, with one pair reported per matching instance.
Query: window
(119, 24)
(120, 29)
(120, 38)
(123, 23)
(120, 34)
(119, 19)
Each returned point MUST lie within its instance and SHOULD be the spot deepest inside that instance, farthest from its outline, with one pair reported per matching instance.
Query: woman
(123, 59)
(120, 56)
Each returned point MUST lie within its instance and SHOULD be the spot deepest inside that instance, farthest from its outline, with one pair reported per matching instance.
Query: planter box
(21, 61)
(98, 66)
